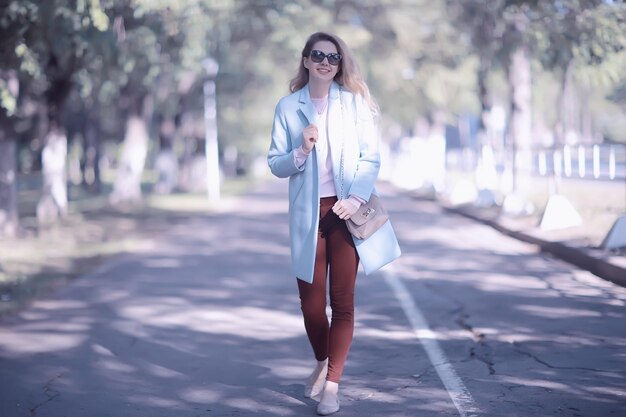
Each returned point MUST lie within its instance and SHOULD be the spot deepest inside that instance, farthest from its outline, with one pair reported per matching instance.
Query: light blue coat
(361, 165)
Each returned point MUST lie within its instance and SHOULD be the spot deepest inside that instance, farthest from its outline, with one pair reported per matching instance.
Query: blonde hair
(349, 75)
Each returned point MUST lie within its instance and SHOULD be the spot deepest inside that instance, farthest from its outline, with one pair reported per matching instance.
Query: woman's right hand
(309, 138)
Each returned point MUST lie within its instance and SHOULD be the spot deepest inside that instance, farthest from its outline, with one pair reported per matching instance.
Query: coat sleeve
(280, 157)
(369, 154)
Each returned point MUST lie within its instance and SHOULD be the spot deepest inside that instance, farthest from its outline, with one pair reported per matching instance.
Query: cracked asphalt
(206, 323)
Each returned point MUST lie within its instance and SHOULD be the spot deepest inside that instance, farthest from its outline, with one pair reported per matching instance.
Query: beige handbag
(369, 218)
(371, 215)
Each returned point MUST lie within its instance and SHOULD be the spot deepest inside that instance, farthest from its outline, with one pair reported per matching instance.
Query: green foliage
(16, 17)
(582, 43)
(8, 99)
(419, 57)
(579, 44)
(47, 44)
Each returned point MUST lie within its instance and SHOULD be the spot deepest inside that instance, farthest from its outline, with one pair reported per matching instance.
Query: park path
(207, 323)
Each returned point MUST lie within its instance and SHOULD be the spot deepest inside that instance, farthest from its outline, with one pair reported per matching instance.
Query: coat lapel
(335, 131)
(306, 105)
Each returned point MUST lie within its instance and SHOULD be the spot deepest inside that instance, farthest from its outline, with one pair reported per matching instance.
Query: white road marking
(460, 395)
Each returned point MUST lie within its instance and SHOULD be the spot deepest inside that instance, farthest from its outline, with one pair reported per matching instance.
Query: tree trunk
(8, 188)
(486, 170)
(484, 129)
(90, 164)
(127, 186)
(586, 119)
(53, 202)
(521, 120)
(190, 130)
(8, 156)
(565, 120)
(560, 128)
(166, 163)
(184, 170)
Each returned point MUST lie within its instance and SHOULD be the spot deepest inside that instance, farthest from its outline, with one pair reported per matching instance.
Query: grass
(599, 204)
(41, 260)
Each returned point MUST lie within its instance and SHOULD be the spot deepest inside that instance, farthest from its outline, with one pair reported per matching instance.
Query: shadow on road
(208, 323)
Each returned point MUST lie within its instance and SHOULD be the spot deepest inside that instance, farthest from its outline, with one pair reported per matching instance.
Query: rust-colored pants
(336, 259)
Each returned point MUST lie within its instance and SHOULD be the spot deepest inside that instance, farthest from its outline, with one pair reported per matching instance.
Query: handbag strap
(343, 140)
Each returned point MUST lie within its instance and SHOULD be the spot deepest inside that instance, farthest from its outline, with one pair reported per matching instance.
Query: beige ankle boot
(315, 384)
(329, 402)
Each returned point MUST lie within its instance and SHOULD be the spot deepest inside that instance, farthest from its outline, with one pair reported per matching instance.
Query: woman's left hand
(346, 208)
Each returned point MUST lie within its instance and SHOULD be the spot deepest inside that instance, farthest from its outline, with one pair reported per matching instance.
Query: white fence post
(581, 161)
(543, 165)
(567, 160)
(612, 162)
(596, 161)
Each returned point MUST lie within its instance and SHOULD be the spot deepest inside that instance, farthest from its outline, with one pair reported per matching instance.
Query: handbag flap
(363, 214)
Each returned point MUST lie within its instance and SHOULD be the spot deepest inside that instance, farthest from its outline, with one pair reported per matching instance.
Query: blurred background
(111, 103)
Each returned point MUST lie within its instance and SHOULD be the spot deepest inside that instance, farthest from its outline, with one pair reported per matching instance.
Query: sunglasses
(318, 56)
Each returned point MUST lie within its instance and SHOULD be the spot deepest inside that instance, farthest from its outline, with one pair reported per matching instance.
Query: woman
(325, 141)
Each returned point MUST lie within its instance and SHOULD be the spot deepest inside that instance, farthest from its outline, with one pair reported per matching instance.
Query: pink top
(324, 160)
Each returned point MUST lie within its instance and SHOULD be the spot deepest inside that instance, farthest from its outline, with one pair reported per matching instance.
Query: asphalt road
(207, 323)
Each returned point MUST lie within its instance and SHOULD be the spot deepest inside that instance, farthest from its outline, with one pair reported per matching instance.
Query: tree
(141, 54)
(580, 42)
(57, 46)
(499, 33)
(16, 18)
(485, 26)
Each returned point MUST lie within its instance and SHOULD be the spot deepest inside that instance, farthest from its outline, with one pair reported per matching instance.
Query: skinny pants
(336, 261)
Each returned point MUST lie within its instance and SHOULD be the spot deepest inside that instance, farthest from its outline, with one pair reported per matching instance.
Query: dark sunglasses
(318, 56)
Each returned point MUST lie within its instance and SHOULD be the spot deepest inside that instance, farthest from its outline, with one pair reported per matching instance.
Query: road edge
(572, 255)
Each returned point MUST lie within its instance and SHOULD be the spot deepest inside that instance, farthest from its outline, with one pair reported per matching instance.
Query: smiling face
(322, 71)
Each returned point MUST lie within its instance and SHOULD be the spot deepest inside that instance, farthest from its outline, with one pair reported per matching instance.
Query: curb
(574, 256)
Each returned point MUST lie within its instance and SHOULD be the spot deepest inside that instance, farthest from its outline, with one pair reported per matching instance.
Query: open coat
(355, 127)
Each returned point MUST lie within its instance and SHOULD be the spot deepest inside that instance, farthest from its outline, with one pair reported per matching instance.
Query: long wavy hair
(349, 75)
